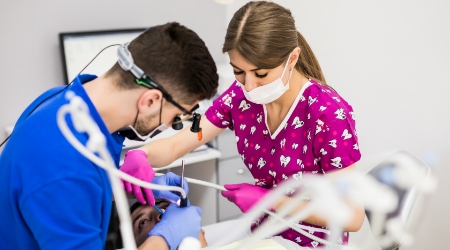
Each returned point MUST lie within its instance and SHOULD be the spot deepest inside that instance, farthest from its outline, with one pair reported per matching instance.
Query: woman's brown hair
(265, 34)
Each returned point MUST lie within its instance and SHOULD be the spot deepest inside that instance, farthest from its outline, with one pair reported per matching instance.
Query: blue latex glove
(169, 179)
(177, 224)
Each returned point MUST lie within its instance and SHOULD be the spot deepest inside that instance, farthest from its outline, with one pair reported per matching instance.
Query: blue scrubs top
(51, 197)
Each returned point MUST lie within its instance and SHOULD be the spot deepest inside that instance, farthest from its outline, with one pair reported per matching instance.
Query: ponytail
(307, 64)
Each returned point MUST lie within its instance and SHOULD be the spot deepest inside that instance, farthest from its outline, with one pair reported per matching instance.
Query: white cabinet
(230, 170)
(233, 171)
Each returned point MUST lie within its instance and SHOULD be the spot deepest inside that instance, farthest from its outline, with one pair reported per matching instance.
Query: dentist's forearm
(160, 152)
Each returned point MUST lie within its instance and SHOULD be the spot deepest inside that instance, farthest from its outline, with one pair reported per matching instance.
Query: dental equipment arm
(164, 151)
(357, 208)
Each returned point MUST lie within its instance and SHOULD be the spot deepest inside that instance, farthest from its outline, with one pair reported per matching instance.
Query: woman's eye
(142, 223)
(238, 72)
(260, 76)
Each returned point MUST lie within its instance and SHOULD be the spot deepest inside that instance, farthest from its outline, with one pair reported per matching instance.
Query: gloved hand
(169, 179)
(244, 195)
(136, 164)
(178, 223)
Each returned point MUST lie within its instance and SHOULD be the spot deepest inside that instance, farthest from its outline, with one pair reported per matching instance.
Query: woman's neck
(278, 109)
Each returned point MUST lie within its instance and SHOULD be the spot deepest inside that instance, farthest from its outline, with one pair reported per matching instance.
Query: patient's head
(144, 218)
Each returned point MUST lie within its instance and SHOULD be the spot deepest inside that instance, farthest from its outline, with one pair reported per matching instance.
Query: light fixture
(224, 1)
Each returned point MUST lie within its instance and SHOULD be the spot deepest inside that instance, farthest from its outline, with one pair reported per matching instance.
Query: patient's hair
(176, 58)
(135, 206)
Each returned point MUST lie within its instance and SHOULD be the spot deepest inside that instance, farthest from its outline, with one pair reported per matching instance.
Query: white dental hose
(201, 183)
(96, 143)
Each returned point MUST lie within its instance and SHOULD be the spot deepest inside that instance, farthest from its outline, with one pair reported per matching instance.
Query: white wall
(389, 59)
(30, 60)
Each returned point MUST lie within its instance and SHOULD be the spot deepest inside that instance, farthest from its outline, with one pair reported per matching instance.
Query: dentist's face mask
(134, 134)
(269, 92)
(131, 133)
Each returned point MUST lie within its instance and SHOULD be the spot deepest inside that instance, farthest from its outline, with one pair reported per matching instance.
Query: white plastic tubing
(83, 123)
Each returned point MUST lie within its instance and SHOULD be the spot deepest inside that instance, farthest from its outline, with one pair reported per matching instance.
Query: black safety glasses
(148, 82)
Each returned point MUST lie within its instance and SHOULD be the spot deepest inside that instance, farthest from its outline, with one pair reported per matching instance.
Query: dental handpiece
(183, 200)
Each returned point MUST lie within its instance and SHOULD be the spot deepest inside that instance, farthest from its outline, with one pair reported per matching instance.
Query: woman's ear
(150, 101)
(295, 55)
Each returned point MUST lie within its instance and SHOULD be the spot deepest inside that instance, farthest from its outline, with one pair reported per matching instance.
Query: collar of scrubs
(289, 113)
(114, 141)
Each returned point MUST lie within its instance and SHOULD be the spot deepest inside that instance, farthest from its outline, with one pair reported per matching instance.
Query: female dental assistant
(287, 121)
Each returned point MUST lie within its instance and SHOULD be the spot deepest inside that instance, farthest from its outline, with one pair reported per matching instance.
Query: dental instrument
(155, 206)
(158, 209)
(183, 200)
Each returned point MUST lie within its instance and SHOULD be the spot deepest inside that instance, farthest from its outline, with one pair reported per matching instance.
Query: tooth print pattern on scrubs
(317, 136)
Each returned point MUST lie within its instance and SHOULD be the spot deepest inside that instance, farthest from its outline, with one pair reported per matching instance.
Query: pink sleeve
(219, 113)
(335, 142)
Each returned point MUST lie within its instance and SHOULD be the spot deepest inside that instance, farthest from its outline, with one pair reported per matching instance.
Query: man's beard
(142, 125)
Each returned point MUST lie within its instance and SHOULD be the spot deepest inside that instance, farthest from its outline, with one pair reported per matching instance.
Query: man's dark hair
(176, 58)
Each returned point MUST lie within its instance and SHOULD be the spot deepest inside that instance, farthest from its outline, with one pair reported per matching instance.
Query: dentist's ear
(295, 55)
(149, 101)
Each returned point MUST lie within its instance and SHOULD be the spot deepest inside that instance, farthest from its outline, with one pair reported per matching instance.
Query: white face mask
(269, 92)
(131, 133)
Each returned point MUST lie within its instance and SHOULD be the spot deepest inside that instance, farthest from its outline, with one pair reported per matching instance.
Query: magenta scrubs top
(317, 136)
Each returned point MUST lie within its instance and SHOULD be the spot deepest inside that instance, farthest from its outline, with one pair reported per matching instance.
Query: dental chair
(410, 199)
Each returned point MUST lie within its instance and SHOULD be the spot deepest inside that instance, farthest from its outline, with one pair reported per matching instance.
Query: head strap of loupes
(126, 62)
